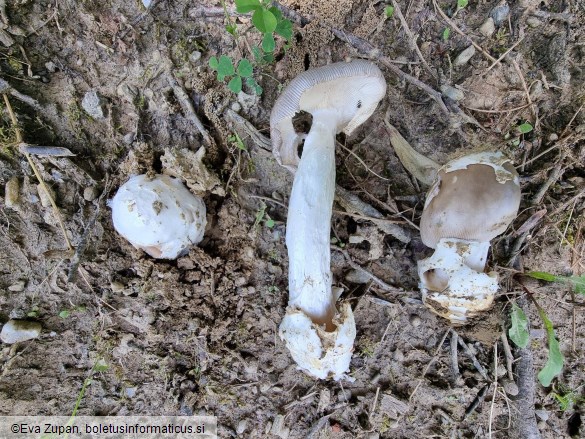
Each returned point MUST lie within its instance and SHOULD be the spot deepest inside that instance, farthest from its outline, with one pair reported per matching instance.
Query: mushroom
(472, 200)
(340, 97)
(158, 214)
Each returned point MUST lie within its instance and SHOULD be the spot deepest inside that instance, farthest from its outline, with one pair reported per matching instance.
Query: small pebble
(541, 414)
(541, 425)
(398, 355)
(452, 92)
(17, 287)
(51, 67)
(236, 107)
(501, 371)
(357, 277)
(533, 22)
(500, 13)
(195, 56)
(511, 388)
(19, 330)
(464, 56)
(242, 426)
(12, 192)
(92, 104)
(117, 287)
(553, 137)
(488, 27)
(130, 392)
(90, 193)
(415, 320)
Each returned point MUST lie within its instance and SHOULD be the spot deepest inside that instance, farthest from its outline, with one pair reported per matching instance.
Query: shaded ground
(199, 335)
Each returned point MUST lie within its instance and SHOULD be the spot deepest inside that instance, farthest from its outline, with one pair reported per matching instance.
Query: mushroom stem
(309, 223)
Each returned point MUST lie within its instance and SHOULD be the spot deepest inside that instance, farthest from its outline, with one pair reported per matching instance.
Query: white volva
(159, 215)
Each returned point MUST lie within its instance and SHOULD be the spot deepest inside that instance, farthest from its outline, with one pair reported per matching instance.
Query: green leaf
(213, 63)
(446, 34)
(268, 43)
(554, 363)
(269, 223)
(542, 275)
(245, 68)
(101, 366)
(462, 3)
(251, 82)
(235, 84)
(244, 6)
(389, 11)
(64, 314)
(519, 333)
(264, 20)
(225, 66)
(276, 12)
(268, 57)
(231, 28)
(257, 53)
(525, 128)
(284, 29)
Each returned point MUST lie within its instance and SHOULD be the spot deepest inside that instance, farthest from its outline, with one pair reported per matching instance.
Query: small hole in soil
(307, 61)
(157, 164)
(574, 424)
(351, 226)
(300, 148)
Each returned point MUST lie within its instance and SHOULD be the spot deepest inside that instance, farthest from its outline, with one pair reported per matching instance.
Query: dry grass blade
(421, 167)
(20, 140)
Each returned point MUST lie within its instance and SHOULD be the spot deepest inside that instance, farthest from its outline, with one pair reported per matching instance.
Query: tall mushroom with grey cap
(472, 200)
(340, 97)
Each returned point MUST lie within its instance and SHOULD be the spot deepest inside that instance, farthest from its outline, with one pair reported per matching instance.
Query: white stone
(19, 330)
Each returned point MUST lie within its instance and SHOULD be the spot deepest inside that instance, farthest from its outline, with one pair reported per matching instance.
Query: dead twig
(495, 384)
(473, 359)
(19, 140)
(454, 359)
(553, 177)
(527, 92)
(428, 366)
(460, 32)
(374, 278)
(525, 426)
(496, 62)
(508, 355)
(412, 39)
(188, 109)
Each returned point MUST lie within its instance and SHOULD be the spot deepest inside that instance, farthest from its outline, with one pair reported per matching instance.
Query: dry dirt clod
(16, 331)
(90, 193)
(500, 13)
(92, 104)
(17, 287)
(43, 196)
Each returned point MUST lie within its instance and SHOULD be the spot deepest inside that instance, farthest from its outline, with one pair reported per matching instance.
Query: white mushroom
(340, 97)
(159, 215)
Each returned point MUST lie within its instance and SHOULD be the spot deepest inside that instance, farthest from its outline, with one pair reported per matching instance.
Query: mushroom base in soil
(340, 97)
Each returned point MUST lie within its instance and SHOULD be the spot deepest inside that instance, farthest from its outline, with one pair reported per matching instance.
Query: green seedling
(577, 283)
(446, 34)
(225, 70)
(515, 136)
(66, 313)
(566, 397)
(262, 216)
(389, 11)
(520, 335)
(462, 4)
(237, 141)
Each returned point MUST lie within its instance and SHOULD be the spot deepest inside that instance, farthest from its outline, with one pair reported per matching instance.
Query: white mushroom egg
(159, 215)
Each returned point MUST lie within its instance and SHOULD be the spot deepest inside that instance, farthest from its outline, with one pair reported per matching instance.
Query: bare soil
(199, 335)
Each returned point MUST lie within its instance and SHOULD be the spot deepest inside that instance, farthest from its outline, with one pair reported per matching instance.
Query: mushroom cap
(318, 352)
(353, 89)
(474, 198)
(158, 215)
